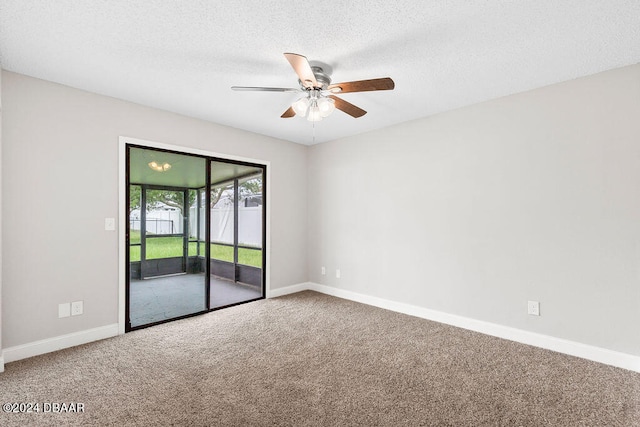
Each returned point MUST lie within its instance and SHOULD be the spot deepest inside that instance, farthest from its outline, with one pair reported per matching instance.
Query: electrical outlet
(337, 274)
(533, 308)
(323, 271)
(76, 308)
(64, 310)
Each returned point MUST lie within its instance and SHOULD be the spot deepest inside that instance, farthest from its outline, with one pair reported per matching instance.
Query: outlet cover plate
(64, 310)
(76, 308)
(533, 308)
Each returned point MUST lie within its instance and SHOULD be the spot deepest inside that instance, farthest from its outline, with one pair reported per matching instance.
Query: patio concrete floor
(157, 299)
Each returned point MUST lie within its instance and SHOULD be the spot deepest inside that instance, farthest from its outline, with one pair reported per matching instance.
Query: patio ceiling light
(159, 167)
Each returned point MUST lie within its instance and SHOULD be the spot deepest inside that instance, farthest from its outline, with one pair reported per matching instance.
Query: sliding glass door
(195, 235)
(236, 233)
(163, 283)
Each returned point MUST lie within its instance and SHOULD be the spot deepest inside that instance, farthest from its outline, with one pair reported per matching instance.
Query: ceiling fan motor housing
(322, 78)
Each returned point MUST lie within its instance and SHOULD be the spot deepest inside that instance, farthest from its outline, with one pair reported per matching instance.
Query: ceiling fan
(318, 93)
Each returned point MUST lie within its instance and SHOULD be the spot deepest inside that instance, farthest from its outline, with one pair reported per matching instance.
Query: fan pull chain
(313, 126)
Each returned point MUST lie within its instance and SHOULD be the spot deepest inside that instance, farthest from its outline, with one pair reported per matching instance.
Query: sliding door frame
(123, 220)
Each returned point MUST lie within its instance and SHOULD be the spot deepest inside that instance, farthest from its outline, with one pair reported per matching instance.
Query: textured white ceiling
(183, 56)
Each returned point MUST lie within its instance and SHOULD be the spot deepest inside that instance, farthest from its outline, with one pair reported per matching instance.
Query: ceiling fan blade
(265, 89)
(302, 68)
(363, 85)
(288, 113)
(348, 107)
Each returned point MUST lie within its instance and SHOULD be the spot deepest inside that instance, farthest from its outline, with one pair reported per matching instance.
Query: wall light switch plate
(337, 274)
(323, 271)
(76, 308)
(110, 224)
(64, 310)
(533, 308)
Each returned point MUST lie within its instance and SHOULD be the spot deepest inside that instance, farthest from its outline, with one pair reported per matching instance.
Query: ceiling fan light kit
(326, 106)
(301, 106)
(319, 100)
(314, 105)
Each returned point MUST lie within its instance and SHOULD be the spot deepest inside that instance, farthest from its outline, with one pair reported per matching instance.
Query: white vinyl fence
(170, 221)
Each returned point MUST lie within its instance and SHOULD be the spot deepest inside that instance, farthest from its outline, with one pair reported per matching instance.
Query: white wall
(528, 197)
(1, 357)
(534, 196)
(60, 149)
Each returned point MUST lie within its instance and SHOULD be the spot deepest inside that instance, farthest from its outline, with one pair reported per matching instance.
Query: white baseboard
(589, 352)
(278, 292)
(11, 354)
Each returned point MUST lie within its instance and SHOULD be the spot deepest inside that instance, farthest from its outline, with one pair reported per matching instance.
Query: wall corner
(1, 358)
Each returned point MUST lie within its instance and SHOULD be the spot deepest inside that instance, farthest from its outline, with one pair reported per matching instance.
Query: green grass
(246, 256)
(169, 247)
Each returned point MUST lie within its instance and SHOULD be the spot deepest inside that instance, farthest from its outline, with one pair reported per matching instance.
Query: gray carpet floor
(311, 359)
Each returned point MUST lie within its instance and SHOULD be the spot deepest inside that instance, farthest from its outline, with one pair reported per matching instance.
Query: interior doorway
(195, 234)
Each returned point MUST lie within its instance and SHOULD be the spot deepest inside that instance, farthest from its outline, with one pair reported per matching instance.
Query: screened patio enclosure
(195, 234)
